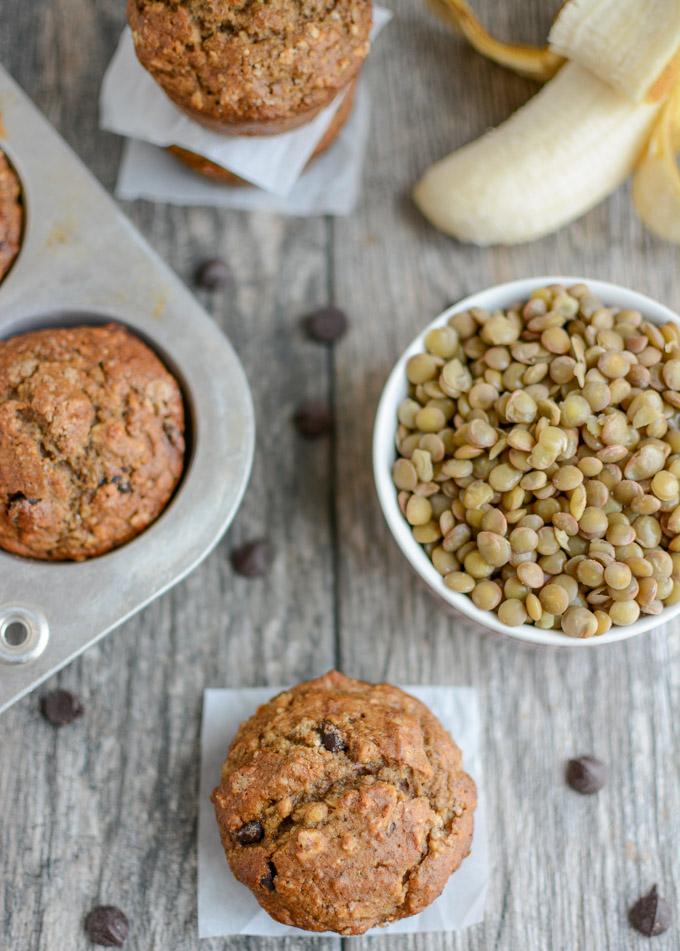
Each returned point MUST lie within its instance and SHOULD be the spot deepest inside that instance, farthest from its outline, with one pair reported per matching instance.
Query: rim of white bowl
(394, 390)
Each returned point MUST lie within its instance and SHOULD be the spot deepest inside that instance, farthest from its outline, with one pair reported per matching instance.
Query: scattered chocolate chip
(326, 325)
(587, 774)
(313, 420)
(61, 707)
(122, 485)
(250, 834)
(212, 275)
(107, 925)
(267, 881)
(651, 915)
(253, 559)
(331, 738)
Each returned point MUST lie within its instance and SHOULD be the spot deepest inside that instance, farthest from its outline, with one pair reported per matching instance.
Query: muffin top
(243, 61)
(91, 441)
(11, 215)
(343, 805)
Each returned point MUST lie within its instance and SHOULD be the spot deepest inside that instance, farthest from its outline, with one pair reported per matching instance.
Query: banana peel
(534, 62)
(656, 184)
(614, 107)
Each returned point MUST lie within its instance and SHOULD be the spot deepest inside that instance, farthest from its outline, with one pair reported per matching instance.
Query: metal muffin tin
(82, 262)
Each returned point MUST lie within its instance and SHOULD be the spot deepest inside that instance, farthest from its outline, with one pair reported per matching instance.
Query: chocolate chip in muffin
(253, 559)
(61, 707)
(586, 774)
(212, 275)
(267, 881)
(331, 738)
(326, 325)
(651, 914)
(107, 925)
(250, 834)
(313, 419)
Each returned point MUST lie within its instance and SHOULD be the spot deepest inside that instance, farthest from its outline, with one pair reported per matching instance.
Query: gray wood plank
(106, 809)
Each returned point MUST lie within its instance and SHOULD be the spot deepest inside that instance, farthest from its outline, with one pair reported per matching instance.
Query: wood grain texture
(106, 810)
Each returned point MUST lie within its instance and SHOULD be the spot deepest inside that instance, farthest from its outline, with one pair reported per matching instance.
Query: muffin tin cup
(384, 454)
(82, 262)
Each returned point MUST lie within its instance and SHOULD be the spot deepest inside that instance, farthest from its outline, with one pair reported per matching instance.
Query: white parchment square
(330, 186)
(225, 907)
(134, 105)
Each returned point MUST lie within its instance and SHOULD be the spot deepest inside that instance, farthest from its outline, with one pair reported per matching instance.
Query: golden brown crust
(251, 66)
(343, 805)
(11, 215)
(214, 171)
(91, 441)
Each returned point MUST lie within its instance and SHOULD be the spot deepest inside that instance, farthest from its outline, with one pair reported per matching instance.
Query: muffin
(214, 171)
(91, 441)
(343, 805)
(251, 68)
(11, 215)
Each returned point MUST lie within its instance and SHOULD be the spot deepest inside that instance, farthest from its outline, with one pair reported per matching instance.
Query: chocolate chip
(651, 915)
(313, 419)
(212, 275)
(326, 325)
(267, 881)
(331, 738)
(587, 775)
(123, 486)
(61, 707)
(250, 834)
(253, 559)
(14, 497)
(107, 925)
(172, 432)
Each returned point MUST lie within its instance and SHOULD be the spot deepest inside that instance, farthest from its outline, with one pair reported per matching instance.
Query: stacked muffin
(253, 68)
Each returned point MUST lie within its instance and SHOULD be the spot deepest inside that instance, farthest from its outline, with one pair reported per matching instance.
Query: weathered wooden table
(105, 810)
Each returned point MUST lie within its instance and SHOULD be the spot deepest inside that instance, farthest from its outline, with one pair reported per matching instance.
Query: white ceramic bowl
(503, 295)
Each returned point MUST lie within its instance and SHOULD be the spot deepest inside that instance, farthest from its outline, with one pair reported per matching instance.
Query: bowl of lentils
(526, 455)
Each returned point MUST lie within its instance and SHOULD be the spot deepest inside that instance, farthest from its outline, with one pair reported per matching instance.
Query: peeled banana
(578, 138)
(630, 46)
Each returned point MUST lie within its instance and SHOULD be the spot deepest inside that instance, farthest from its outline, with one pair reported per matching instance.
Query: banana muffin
(203, 166)
(91, 441)
(251, 67)
(11, 215)
(343, 805)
